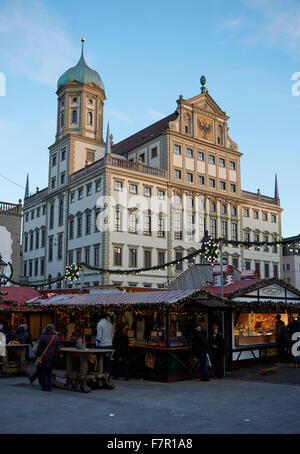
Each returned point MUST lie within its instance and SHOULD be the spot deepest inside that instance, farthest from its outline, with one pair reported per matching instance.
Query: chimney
(228, 275)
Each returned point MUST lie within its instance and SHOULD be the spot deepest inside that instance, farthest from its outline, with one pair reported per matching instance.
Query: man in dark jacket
(120, 344)
(48, 346)
(200, 349)
(217, 350)
(24, 335)
(282, 339)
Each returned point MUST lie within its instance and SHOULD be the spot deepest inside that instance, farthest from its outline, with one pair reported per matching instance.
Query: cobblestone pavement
(233, 405)
(270, 373)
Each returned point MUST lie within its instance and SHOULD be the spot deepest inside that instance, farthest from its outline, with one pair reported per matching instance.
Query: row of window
(87, 191)
(34, 267)
(118, 256)
(80, 255)
(287, 267)
(62, 180)
(63, 154)
(79, 225)
(142, 156)
(201, 180)
(200, 156)
(90, 118)
(257, 238)
(266, 268)
(34, 240)
(35, 213)
(133, 189)
(264, 216)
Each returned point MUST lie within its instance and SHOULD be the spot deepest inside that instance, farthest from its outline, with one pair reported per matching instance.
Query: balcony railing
(123, 163)
(138, 167)
(9, 207)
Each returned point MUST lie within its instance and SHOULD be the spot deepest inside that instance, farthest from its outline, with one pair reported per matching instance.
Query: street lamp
(3, 278)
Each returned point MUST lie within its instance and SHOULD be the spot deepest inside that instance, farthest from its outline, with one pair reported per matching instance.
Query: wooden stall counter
(14, 360)
(161, 363)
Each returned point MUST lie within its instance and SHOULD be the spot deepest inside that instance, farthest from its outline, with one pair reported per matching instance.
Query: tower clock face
(205, 128)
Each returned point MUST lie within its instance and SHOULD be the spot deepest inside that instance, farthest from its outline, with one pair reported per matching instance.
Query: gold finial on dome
(83, 39)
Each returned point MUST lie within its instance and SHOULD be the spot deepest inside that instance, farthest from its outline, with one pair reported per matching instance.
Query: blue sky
(148, 53)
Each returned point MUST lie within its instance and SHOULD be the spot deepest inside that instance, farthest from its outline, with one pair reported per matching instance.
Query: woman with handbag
(48, 346)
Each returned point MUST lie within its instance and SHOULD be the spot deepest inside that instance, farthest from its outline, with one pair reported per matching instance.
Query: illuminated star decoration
(72, 272)
(210, 251)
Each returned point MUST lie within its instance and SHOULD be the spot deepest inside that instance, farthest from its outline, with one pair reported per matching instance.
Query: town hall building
(146, 200)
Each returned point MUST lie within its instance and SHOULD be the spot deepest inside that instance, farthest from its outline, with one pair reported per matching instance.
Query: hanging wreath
(72, 272)
(210, 251)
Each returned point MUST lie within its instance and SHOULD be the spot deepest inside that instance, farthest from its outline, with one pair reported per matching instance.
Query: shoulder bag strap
(44, 352)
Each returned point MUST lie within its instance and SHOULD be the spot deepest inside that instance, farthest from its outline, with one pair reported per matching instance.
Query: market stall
(160, 325)
(254, 309)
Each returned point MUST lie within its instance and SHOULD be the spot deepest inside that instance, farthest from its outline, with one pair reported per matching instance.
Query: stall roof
(232, 288)
(167, 297)
(19, 294)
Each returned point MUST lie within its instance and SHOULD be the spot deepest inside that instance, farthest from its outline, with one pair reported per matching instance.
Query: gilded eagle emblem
(205, 128)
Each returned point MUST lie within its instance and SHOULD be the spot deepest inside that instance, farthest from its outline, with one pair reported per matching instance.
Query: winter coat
(8, 334)
(24, 336)
(218, 340)
(281, 334)
(199, 343)
(120, 344)
(49, 357)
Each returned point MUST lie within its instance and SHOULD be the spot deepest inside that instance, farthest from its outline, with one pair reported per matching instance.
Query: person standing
(7, 332)
(120, 344)
(217, 351)
(48, 347)
(200, 348)
(24, 335)
(281, 338)
(104, 339)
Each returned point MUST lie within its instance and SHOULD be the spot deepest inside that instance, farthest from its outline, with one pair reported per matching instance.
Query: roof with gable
(144, 136)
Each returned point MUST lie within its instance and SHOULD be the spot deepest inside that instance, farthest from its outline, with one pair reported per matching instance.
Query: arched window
(51, 220)
(74, 116)
(90, 118)
(62, 120)
(61, 213)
